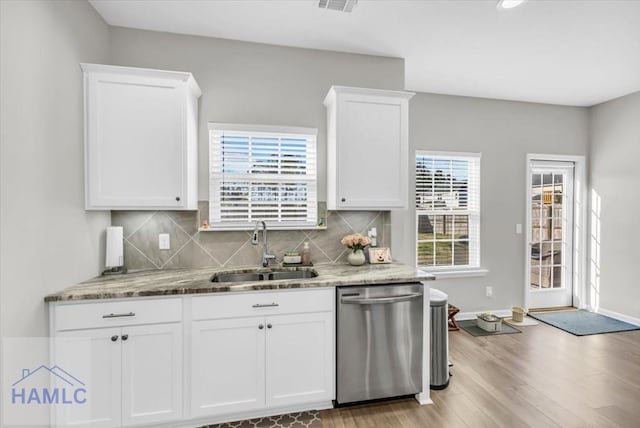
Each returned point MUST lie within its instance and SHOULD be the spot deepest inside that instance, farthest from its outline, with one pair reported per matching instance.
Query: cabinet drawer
(117, 313)
(263, 303)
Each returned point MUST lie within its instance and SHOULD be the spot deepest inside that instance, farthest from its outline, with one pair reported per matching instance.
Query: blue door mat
(582, 323)
(471, 327)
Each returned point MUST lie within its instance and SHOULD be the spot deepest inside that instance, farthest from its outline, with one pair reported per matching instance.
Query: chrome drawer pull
(130, 314)
(265, 305)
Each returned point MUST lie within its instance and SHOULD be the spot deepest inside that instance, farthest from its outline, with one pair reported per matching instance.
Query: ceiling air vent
(339, 5)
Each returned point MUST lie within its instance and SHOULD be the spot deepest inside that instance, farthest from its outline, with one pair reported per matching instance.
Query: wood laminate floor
(543, 377)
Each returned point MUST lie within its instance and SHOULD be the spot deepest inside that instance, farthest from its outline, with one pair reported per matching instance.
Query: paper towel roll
(115, 247)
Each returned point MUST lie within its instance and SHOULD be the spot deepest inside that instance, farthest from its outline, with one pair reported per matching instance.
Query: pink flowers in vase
(356, 241)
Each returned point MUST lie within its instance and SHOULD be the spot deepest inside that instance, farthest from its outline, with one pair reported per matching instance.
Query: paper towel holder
(114, 255)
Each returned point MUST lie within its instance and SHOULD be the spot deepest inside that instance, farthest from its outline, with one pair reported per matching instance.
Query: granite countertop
(194, 281)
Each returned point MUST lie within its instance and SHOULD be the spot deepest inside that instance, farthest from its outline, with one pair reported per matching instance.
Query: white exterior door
(299, 358)
(151, 373)
(228, 366)
(550, 234)
(93, 357)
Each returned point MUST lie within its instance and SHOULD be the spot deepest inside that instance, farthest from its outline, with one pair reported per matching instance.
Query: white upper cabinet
(141, 132)
(367, 148)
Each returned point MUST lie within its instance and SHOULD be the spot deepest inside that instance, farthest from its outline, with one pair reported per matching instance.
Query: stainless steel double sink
(263, 276)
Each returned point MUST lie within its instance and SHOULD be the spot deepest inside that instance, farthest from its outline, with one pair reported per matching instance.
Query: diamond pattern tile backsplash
(193, 249)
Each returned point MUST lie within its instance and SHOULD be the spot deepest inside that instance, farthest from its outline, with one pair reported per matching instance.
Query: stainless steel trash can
(439, 339)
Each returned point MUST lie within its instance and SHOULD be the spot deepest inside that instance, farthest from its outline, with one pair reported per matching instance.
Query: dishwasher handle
(380, 300)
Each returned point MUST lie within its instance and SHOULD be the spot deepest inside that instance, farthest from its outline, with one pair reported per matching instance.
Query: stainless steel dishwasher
(379, 342)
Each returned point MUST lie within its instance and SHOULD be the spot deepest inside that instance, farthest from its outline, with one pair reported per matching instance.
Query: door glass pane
(557, 276)
(535, 274)
(547, 230)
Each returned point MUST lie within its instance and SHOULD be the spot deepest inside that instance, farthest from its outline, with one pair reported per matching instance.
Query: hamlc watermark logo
(48, 385)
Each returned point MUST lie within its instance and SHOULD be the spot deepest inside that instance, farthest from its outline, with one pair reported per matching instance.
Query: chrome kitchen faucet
(266, 257)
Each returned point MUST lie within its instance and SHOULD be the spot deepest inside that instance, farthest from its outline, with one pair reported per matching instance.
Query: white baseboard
(619, 316)
(461, 316)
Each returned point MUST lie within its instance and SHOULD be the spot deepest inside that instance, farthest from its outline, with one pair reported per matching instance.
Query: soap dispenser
(306, 255)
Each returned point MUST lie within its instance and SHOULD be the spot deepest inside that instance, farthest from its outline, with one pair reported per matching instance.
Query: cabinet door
(151, 373)
(227, 366)
(90, 359)
(372, 153)
(136, 142)
(300, 358)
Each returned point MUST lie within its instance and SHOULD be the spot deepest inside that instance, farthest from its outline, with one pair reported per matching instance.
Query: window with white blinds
(448, 210)
(262, 173)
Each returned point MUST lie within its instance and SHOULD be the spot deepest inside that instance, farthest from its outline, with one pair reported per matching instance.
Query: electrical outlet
(489, 291)
(164, 241)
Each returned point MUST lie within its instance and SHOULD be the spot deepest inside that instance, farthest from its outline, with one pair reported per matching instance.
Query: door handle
(381, 300)
(265, 305)
(125, 336)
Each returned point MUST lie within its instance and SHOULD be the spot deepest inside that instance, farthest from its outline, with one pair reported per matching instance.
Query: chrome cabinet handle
(381, 300)
(260, 326)
(125, 337)
(265, 305)
(129, 314)
(114, 338)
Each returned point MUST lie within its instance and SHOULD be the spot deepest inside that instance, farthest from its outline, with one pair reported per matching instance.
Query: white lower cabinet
(142, 362)
(94, 359)
(263, 362)
(152, 374)
(132, 374)
(227, 366)
(299, 358)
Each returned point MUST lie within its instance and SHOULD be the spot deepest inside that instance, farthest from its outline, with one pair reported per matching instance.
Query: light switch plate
(164, 241)
(519, 229)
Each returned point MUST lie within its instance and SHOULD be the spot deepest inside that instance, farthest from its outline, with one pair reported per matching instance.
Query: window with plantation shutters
(262, 173)
(448, 210)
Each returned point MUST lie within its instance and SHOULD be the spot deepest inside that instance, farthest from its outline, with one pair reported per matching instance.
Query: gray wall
(48, 240)
(615, 175)
(504, 132)
(254, 83)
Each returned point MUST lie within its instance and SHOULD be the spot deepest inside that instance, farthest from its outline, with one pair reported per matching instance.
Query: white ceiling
(572, 52)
